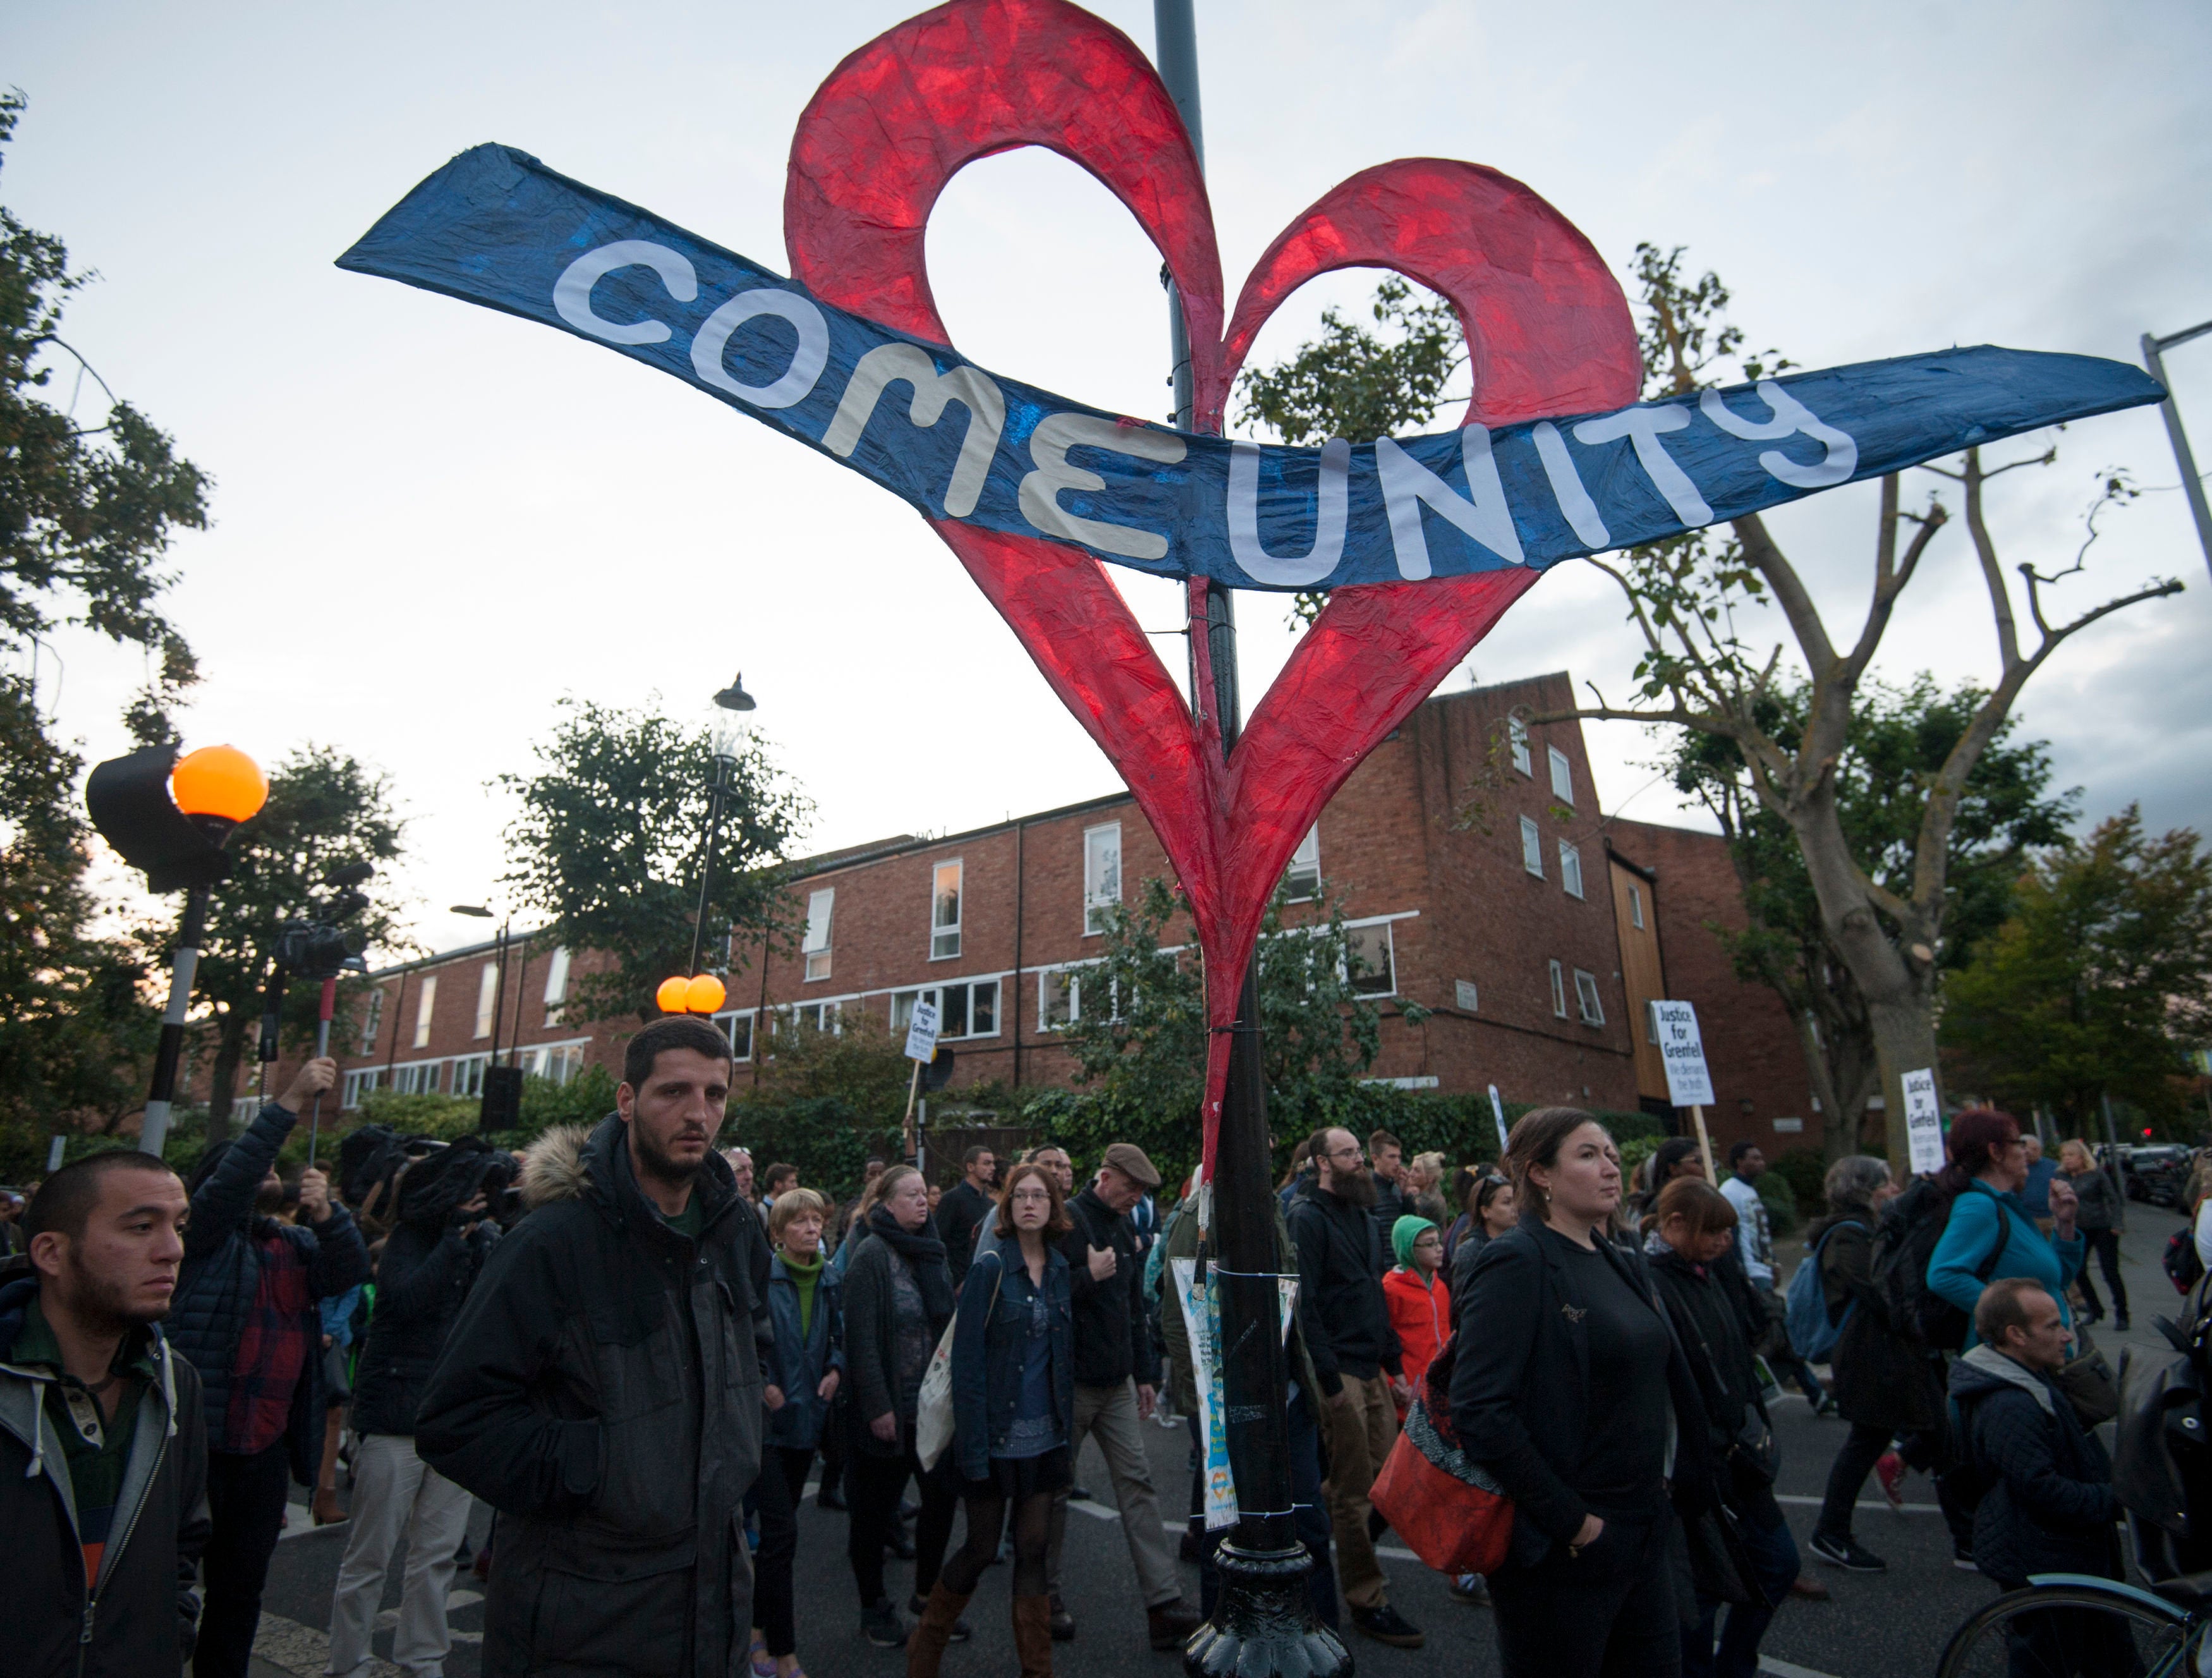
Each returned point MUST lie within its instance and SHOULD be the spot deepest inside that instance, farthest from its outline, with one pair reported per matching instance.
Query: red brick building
(1476, 871)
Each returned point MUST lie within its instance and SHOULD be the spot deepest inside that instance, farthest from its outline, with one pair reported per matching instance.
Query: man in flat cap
(1117, 1371)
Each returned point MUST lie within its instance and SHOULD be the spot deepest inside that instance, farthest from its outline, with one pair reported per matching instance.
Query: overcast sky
(431, 520)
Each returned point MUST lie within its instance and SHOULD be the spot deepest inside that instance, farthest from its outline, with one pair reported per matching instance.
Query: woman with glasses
(1013, 1403)
(1990, 1235)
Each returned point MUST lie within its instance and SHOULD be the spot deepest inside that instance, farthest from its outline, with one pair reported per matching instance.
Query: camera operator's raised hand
(314, 1196)
(310, 1081)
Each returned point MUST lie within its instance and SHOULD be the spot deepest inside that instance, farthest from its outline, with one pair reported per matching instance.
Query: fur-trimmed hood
(553, 1166)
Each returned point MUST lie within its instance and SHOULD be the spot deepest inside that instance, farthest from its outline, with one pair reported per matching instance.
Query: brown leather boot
(1033, 1635)
(925, 1648)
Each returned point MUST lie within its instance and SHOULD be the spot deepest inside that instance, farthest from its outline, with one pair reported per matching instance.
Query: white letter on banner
(1329, 497)
(1055, 434)
(1643, 425)
(1567, 485)
(806, 361)
(987, 413)
(1407, 486)
(572, 292)
(1790, 418)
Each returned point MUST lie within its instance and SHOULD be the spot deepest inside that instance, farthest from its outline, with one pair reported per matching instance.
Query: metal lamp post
(2191, 485)
(1263, 1624)
(730, 701)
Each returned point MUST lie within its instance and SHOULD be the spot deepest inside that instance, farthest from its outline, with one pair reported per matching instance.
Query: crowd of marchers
(642, 1361)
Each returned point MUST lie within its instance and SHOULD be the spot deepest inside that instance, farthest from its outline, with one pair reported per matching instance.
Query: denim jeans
(1773, 1555)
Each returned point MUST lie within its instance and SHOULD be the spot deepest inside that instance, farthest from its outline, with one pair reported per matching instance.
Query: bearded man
(1339, 1271)
(103, 1450)
(602, 1389)
(246, 1317)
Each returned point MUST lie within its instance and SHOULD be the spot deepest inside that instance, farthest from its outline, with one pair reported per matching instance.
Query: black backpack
(2183, 1264)
(1911, 1225)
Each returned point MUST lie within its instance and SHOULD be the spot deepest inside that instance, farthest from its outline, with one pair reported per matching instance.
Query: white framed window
(1532, 846)
(1302, 877)
(1102, 875)
(1466, 996)
(426, 1004)
(969, 1009)
(359, 1084)
(945, 910)
(468, 1073)
(822, 1016)
(1559, 991)
(370, 1024)
(820, 907)
(1516, 731)
(562, 1062)
(1065, 995)
(487, 997)
(1370, 960)
(1586, 998)
(1636, 911)
(556, 983)
(739, 1029)
(1650, 1024)
(419, 1078)
(1563, 776)
(1571, 869)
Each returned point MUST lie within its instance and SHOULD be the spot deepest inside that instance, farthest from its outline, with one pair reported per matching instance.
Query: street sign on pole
(1923, 1123)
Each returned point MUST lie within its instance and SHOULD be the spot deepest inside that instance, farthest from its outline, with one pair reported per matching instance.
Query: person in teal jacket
(1990, 1234)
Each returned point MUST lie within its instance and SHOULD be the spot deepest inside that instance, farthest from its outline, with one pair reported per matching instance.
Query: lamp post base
(1263, 1627)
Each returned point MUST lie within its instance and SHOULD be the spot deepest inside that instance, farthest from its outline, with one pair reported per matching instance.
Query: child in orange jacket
(1420, 1305)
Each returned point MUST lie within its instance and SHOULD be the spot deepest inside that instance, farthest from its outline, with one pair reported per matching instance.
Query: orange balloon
(704, 994)
(672, 994)
(219, 781)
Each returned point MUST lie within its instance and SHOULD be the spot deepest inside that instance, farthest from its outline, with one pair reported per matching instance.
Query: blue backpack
(1812, 1336)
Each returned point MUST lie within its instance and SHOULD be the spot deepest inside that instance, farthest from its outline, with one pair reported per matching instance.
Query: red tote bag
(1449, 1510)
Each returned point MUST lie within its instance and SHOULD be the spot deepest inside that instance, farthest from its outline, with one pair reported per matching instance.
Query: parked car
(2159, 1173)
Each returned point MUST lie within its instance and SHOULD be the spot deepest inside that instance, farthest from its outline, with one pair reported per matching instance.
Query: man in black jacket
(965, 1205)
(430, 1262)
(103, 1445)
(246, 1317)
(1339, 1271)
(1117, 1374)
(602, 1388)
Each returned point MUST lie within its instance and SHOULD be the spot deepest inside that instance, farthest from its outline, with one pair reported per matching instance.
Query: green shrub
(1781, 1201)
(1805, 1171)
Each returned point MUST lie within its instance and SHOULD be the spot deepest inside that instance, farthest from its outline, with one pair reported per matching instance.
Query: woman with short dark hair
(1990, 1235)
(1571, 1391)
(1691, 1226)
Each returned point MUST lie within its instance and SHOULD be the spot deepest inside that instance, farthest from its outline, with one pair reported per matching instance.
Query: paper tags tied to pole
(1923, 1123)
(1676, 1025)
(921, 1033)
(1201, 1320)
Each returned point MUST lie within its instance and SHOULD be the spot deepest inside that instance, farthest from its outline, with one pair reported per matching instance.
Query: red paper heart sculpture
(1547, 332)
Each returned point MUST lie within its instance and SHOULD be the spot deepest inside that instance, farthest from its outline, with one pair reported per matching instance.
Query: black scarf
(924, 1255)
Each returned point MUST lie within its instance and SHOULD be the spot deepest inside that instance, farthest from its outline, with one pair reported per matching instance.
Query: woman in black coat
(898, 1298)
(1690, 1226)
(1566, 1378)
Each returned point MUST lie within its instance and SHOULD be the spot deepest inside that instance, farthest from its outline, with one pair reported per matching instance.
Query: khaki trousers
(1359, 1431)
(1109, 1415)
(394, 1490)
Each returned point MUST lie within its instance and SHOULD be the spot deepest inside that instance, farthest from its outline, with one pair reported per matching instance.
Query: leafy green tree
(1140, 1037)
(86, 513)
(824, 1101)
(2100, 981)
(610, 842)
(1899, 741)
(325, 811)
(1702, 671)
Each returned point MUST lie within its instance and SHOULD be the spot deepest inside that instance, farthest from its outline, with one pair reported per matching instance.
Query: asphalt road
(1888, 1626)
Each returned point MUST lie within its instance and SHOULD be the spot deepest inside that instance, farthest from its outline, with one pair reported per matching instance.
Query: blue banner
(496, 227)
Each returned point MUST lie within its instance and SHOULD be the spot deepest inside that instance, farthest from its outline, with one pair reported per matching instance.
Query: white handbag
(933, 1415)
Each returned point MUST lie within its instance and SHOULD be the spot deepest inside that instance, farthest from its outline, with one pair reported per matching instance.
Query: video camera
(317, 946)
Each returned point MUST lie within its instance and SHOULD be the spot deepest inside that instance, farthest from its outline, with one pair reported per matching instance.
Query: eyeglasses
(1352, 1152)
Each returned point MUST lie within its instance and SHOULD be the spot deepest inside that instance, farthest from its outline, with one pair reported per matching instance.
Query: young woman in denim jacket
(1013, 1398)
